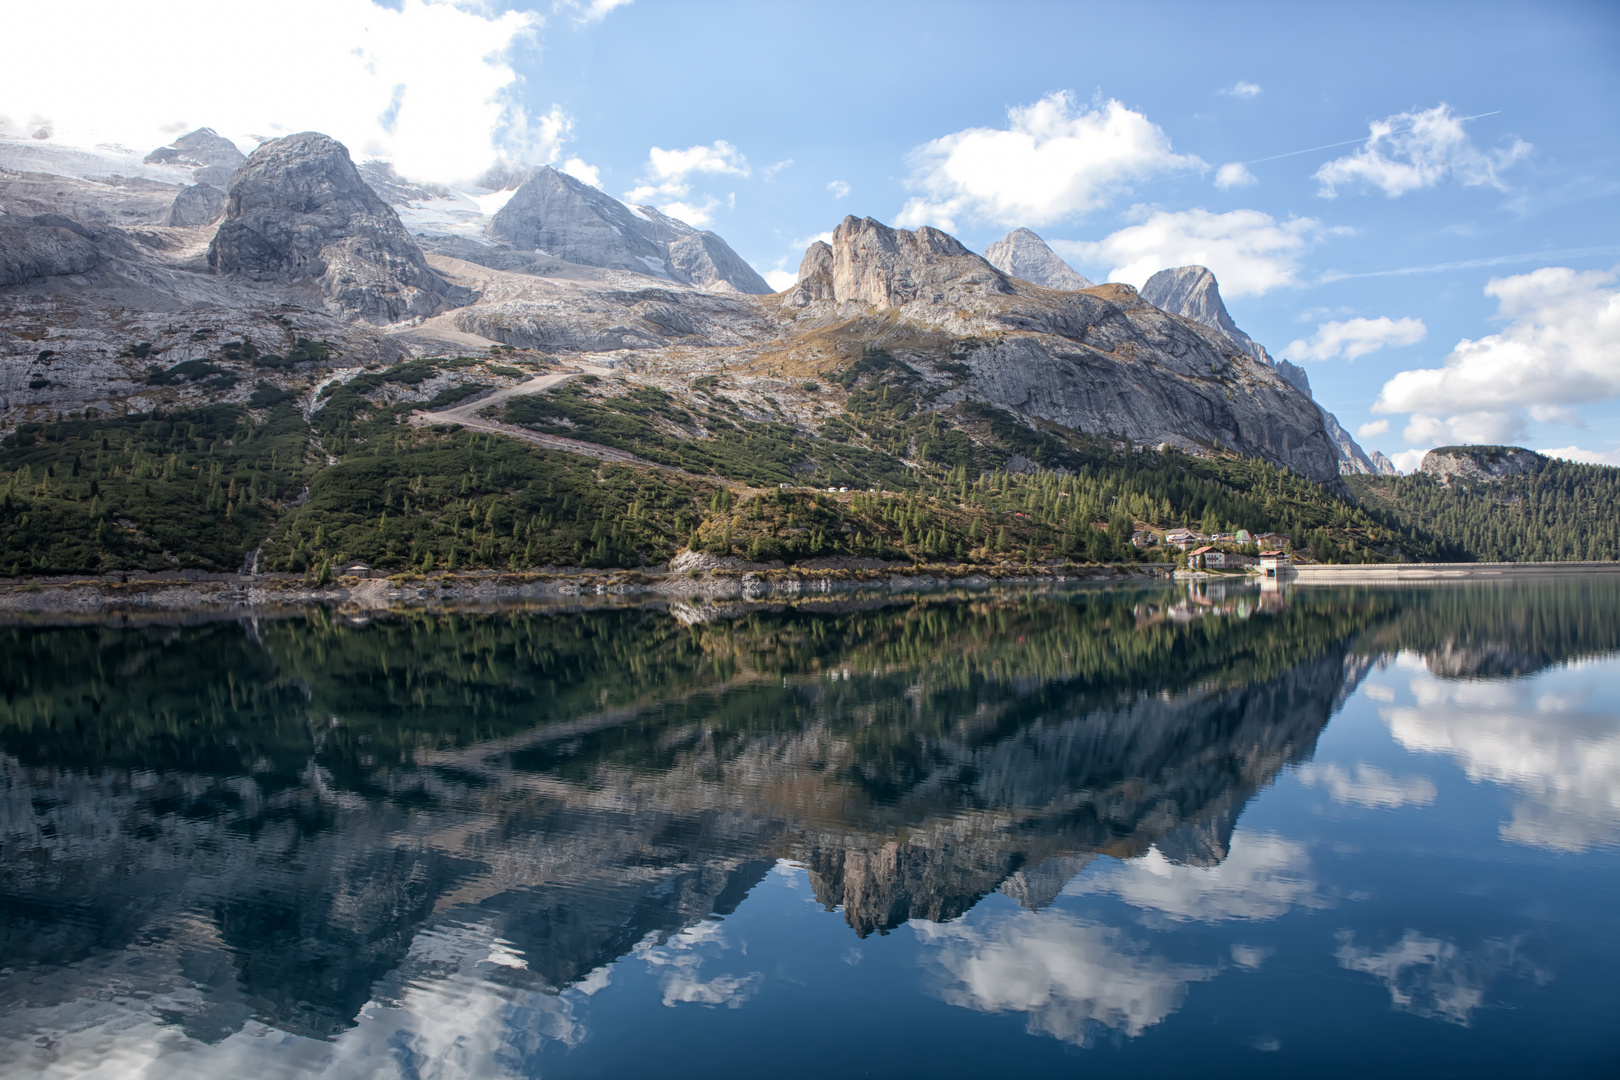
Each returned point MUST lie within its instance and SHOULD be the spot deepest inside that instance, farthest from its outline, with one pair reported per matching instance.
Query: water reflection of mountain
(281, 812)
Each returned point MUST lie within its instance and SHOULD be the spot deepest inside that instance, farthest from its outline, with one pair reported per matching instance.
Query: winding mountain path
(467, 416)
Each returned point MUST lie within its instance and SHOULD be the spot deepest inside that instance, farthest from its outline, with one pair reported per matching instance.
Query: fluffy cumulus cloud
(1586, 457)
(1415, 150)
(1241, 89)
(1356, 337)
(587, 11)
(1071, 979)
(668, 179)
(1372, 429)
(425, 83)
(838, 188)
(1234, 174)
(1262, 876)
(1250, 252)
(1560, 348)
(1054, 160)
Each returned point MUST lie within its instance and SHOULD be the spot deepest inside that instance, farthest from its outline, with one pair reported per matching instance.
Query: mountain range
(336, 304)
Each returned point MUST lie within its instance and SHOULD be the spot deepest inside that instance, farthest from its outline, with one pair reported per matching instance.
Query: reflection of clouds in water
(1262, 877)
(1250, 957)
(443, 1018)
(1368, 785)
(1072, 978)
(1435, 979)
(1541, 740)
(680, 956)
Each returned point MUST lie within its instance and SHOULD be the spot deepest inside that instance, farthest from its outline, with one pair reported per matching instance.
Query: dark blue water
(1105, 833)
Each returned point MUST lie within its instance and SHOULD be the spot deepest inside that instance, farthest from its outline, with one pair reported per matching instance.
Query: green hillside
(1563, 512)
(204, 487)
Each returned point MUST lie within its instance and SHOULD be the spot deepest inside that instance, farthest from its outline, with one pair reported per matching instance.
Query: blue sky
(1451, 280)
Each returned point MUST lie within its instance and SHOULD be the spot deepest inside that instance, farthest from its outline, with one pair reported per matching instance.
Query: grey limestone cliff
(1098, 360)
(300, 211)
(1193, 293)
(43, 246)
(214, 157)
(1480, 464)
(1022, 254)
(199, 204)
(570, 220)
(870, 263)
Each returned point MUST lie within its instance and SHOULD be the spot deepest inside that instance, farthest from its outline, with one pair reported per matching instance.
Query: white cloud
(1586, 457)
(1560, 348)
(838, 188)
(1407, 461)
(667, 179)
(781, 279)
(1249, 251)
(1234, 174)
(693, 213)
(1054, 160)
(1368, 785)
(1372, 429)
(1263, 876)
(1242, 89)
(589, 10)
(1479, 426)
(770, 172)
(1356, 337)
(580, 171)
(1071, 978)
(428, 86)
(1415, 150)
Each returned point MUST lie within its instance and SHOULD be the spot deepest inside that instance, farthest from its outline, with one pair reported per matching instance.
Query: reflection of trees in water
(304, 802)
(1505, 629)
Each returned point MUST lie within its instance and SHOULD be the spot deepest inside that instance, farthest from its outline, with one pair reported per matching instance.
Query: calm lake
(1128, 832)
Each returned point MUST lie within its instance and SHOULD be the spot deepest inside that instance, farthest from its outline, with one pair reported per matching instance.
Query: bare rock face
(1022, 254)
(1101, 360)
(299, 210)
(45, 246)
(570, 220)
(214, 157)
(870, 263)
(197, 205)
(1480, 464)
(1193, 293)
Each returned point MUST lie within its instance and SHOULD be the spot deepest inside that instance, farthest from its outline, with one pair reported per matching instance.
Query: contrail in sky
(1473, 264)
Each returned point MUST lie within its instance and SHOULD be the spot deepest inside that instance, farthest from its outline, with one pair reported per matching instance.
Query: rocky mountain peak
(299, 210)
(870, 263)
(568, 219)
(216, 158)
(1193, 293)
(1022, 254)
(1480, 464)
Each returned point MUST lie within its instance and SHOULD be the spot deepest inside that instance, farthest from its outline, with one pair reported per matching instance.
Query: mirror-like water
(1130, 832)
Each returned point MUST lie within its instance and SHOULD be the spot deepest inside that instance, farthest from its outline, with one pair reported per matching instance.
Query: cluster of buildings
(1209, 551)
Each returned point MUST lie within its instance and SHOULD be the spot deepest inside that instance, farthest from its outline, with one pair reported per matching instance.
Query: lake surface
(1134, 832)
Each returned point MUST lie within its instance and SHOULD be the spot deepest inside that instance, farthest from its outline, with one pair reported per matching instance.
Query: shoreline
(172, 592)
(219, 593)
